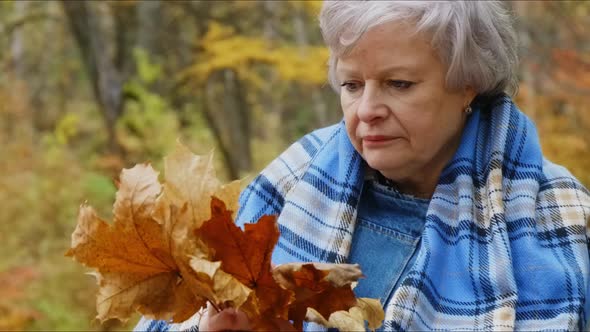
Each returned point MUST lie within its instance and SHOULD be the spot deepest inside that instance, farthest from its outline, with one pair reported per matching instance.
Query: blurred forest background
(87, 88)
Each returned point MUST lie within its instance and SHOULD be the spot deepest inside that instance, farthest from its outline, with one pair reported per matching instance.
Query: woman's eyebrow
(390, 70)
(395, 69)
(346, 71)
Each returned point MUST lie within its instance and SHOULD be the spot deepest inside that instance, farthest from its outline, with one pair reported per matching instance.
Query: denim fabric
(386, 238)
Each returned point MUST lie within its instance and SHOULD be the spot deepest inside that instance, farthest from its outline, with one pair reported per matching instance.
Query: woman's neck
(419, 189)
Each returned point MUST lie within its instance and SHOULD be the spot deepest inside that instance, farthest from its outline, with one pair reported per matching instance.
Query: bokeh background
(88, 88)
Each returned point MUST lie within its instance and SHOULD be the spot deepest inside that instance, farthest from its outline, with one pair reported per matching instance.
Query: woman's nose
(372, 107)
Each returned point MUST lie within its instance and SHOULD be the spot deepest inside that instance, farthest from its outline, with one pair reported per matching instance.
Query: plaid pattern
(505, 245)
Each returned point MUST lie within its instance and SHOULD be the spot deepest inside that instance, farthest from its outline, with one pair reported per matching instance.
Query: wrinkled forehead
(390, 35)
(386, 50)
(350, 39)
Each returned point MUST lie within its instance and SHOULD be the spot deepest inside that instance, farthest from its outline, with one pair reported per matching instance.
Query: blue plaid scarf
(505, 244)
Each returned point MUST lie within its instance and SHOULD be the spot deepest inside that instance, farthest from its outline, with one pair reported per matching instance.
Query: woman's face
(398, 113)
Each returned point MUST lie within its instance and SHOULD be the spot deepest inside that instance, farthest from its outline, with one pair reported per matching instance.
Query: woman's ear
(469, 94)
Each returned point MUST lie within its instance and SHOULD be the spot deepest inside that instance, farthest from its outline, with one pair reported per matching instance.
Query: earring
(468, 110)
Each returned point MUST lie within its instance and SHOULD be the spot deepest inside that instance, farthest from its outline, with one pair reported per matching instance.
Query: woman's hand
(226, 320)
(233, 320)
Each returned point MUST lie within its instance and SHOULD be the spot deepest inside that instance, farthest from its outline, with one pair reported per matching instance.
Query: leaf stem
(215, 306)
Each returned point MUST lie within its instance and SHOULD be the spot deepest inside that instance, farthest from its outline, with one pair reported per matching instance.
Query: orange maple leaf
(323, 287)
(247, 256)
(136, 268)
(174, 246)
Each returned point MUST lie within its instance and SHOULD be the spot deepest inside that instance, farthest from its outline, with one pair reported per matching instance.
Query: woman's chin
(385, 166)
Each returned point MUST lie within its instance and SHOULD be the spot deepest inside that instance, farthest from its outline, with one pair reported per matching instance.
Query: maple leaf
(327, 288)
(144, 258)
(227, 291)
(366, 309)
(136, 270)
(190, 179)
(246, 255)
(190, 182)
(174, 246)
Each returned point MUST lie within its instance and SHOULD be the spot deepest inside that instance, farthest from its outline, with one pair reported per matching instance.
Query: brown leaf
(246, 255)
(184, 205)
(137, 268)
(366, 309)
(323, 287)
(336, 275)
(172, 247)
(191, 180)
(226, 290)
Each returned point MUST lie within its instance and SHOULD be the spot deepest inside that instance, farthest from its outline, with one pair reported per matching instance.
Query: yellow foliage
(311, 7)
(562, 121)
(224, 49)
(569, 150)
(67, 127)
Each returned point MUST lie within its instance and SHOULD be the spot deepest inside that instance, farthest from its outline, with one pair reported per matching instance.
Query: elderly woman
(434, 182)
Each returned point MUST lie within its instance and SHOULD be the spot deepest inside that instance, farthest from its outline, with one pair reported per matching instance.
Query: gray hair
(474, 39)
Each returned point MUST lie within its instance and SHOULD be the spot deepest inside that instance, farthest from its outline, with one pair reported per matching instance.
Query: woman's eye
(400, 85)
(350, 86)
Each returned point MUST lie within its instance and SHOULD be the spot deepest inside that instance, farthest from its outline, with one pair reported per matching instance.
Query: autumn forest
(88, 88)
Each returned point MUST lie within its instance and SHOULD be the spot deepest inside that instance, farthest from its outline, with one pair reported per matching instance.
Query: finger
(229, 319)
(210, 310)
(206, 315)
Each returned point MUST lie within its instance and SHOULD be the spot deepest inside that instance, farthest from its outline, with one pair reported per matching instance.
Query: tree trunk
(106, 80)
(17, 43)
(228, 115)
(149, 17)
(271, 97)
(319, 105)
(125, 18)
(237, 118)
(527, 77)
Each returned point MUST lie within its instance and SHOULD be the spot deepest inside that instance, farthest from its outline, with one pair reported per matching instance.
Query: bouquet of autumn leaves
(174, 246)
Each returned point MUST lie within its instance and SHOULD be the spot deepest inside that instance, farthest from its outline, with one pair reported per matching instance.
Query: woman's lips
(377, 140)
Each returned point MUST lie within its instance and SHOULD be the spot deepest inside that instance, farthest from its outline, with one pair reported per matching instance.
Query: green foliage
(100, 187)
(65, 298)
(148, 72)
(149, 126)
(66, 128)
(43, 183)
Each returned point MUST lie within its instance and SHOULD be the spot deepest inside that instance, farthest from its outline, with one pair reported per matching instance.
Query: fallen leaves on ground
(174, 246)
